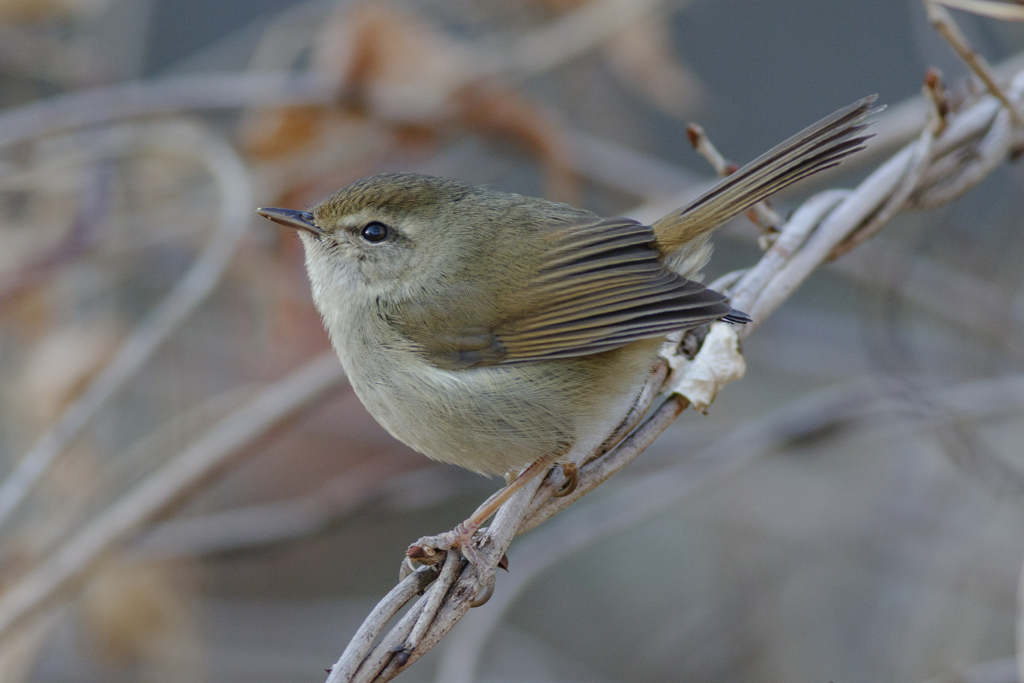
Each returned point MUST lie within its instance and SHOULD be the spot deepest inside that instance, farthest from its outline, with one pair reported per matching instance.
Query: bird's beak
(300, 220)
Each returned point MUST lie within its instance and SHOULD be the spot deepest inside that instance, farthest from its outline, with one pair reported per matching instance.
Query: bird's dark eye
(375, 232)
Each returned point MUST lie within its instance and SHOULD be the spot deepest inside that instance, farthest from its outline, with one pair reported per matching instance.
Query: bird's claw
(431, 550)
(571, 472)
(483, 593)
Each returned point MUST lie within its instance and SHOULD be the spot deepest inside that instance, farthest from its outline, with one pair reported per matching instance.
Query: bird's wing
(600, 285)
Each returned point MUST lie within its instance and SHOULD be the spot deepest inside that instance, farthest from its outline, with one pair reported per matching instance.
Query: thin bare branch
(256, 525)
(523, 57)
(167, 487)
(597, 472)
(875, 192)
(792, 237)
(232, 178)
(570, 36)
(638, 500)
(382, 659)
(940, 165)
(948, 28)
(438, 590)
(762, 214)
(1004, 11)
(916, 167)
(385, 610)
(174, 94)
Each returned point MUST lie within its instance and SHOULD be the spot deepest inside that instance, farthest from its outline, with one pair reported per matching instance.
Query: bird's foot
(432, 549)
(470, 540)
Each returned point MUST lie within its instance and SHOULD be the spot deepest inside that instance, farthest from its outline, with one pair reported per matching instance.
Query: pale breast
(499, 419)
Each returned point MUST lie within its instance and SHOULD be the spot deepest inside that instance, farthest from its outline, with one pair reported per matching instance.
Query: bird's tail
(813, 149)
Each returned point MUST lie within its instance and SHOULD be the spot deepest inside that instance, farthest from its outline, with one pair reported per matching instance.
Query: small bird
(506, 333)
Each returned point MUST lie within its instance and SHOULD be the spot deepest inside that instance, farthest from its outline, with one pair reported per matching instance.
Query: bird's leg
(427, 549)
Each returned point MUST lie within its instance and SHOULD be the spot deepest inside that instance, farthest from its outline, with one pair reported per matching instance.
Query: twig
(1005, 11)
(164, 440)
(596, 473)
(530, 512)
(958, 170)
(798, 227)
(842, 221)
(116, 103)
(256, 525)
(438, 590)
(567, 37)
(227, 91)
(166, 487)
(140, 98)
(363, 640)
(382, 657)
(915, 169)
(876, 190)
(898, 124)
(960, 298)
(936, 93)
(918, 164)
(946, 26)
(524, 56)
(230, 174)
(761, 214)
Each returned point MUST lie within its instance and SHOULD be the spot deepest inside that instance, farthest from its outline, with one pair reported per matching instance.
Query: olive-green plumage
(490, 329)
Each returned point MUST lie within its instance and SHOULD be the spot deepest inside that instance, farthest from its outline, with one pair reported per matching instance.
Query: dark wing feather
(601, 286)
